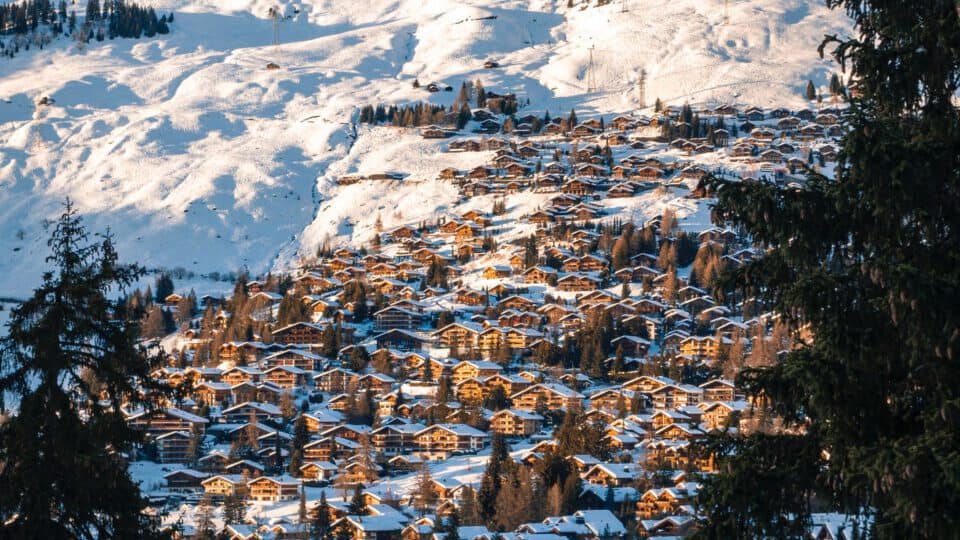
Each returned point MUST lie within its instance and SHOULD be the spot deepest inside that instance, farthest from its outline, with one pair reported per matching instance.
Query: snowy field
(196, 156)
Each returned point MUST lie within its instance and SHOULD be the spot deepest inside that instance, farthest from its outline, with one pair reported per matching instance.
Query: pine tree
(302, 507)
(836, 88)
(876, 279)
(59, 447)
(491, 481)
(234, 509)
(320, 526)
(468, 507)
(203, 518)
(163, 287)
(453, 525)
(154, 325)
(425, 496)
(357, 506)
(811, 91)
(196, 447)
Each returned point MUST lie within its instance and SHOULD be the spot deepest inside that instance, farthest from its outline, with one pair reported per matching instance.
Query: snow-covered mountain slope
(197, 156)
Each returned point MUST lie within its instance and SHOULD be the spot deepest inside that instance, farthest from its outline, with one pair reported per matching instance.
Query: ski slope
(196, 156)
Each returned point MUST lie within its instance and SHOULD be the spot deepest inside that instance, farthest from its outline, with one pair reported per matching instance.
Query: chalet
(704, 346)
(401, 339)
(549, 395)
(675, 526)
(165, 420)
(678, 431)
(223, 485)
(335, 380)
(242, 351)
(771, 156)
(496, 271)
(395, 439)
(718, 390)
(539, 274)
(554, 129)
(631, 345)
(660, 502)
(624, 189)
(288, 377)
(457, 335)
(611, 399)
(646, 384)
(717, 415)
(212, 393)
(273, 488)
(613, 474)
(584, 130)
(386, 527)
(173, 447)
(244, 411)
(435, 132)
(394, 316)
(541, 218)
(470, 297)
(449, 438)
(578, 186)
(578, 282)
(322, 420)
(375, 382)
(298, 358)
(187, 480)
(742, 150)
(473, 369)
(676, 395)
(302, 333)
(516, 422)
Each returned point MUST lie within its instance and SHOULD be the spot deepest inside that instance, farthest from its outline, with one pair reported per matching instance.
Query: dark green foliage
(436, 275)
(574, 436)
(163, 287)
(530, 254)
(493, 477)
(234, 509)
(496, 399)
(811, 91)
(836, 88)
(418, 114)
(782, 467)
(61, 475)
(291, 310)
(871, 262)
(320, 526)
(355, 292)
(357, 507)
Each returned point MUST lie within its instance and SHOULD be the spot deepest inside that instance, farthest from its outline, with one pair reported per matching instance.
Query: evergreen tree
(836, 88)
(491, 481)
(468, 507)
(234, 509)
(196, 448)
(530, 253)
(425, 495)
(302, 507)
(869, 406)
(811, 91)
(320, 527)
(357, 506)
(203, 519)
(163, 287)
(61, 474)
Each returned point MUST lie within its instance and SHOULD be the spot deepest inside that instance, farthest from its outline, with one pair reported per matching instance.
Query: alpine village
(485, 270)
(538, 377)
